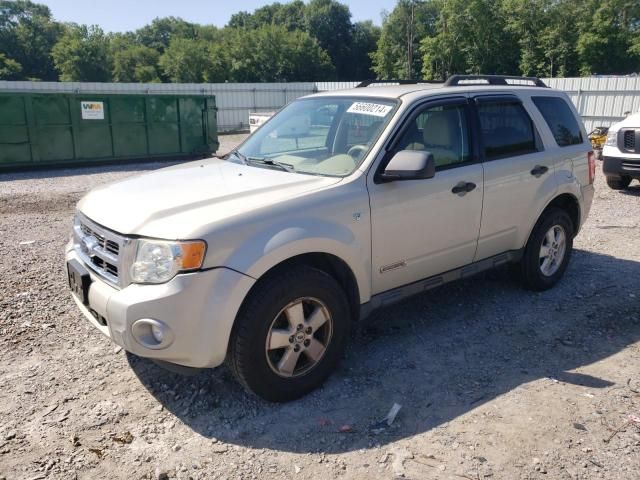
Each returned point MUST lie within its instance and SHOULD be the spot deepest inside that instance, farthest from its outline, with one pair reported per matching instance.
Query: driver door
(422, 228)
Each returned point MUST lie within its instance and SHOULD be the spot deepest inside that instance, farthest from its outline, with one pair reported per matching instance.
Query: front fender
(259, 253)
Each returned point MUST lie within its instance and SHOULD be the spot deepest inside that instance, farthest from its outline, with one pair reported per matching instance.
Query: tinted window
(507, 129)
(441, 131)
(560, 119)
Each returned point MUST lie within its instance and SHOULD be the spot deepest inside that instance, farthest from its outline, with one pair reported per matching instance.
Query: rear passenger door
(518, 174)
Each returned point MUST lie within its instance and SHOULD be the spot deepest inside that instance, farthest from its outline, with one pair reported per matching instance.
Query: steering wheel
(357, 151)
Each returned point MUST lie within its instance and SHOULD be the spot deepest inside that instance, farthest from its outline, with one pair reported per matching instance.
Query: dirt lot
(494, 381)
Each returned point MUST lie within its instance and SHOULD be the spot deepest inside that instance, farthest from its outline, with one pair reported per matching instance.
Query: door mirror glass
(409, 165)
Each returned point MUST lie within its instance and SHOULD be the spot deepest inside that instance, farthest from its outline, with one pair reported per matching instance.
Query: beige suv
(341, 203)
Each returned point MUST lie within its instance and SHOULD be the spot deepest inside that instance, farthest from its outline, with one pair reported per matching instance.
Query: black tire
(618, 183)
(530, 270)
(247, 355)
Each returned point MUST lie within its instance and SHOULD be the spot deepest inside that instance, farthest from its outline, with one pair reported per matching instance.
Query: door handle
(463, 188)
(539, 170)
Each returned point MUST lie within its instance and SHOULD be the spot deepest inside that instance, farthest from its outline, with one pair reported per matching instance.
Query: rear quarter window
(560, 119)
(507, 129)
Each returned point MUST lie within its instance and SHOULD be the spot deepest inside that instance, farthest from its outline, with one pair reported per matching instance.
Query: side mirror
(409, 165)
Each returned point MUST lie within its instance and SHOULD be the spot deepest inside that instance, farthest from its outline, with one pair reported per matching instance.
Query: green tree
(161, 31)
(82, 55)
(524, 20)
(365, 38)
(606, 42)
(291, 15)
(396, 55)
(329, 22)
(471, 38)
(27, 35)
(558, 39)
(133, 62)
(9, 68)
(185, 60)
(274, 54)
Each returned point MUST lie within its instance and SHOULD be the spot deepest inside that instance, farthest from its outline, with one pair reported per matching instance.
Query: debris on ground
(387, 421)
(471, 373)
(125, 438)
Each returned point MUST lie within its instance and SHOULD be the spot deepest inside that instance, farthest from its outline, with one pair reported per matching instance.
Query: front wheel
(618, 183)
(290, 334)
(547, 253)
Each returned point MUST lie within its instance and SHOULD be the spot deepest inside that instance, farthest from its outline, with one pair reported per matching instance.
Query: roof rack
(460, 80)
(367, 83)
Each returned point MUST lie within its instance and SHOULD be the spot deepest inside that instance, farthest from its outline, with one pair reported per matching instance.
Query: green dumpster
(38, 129)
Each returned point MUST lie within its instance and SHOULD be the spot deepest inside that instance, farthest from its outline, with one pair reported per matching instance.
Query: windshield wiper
(241, 156)
(268, 161)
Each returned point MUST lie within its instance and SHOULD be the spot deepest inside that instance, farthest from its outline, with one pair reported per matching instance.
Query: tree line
(545, 38)
(318, 40)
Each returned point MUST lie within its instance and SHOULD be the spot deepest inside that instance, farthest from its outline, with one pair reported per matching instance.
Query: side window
(560, 119)
(442, 131)
(507, 129)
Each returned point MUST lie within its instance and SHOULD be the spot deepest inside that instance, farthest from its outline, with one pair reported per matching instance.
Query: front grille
(100, 249)
(108, 245)
(629, 141)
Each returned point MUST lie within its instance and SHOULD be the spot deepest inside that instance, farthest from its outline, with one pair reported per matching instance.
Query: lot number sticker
(92, 110)
(365, 108)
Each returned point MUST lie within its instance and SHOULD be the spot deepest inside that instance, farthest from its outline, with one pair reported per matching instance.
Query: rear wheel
(618, 183)
(548, 250)
(290, 334)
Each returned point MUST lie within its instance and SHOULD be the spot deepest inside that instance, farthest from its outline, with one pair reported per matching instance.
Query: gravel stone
(482, 368)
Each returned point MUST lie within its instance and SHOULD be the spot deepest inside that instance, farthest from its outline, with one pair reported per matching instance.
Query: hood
(173, 202)
(631, 121)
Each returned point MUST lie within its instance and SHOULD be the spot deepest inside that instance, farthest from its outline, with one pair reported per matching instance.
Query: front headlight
(158, 261)
(612, 139)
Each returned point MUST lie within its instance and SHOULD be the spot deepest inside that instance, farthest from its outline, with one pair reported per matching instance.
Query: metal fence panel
(600, 100)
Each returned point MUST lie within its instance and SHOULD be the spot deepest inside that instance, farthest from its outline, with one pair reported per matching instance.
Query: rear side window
(561, 121)
(507, 129)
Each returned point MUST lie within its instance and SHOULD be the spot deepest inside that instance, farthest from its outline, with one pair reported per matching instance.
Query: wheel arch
(331, 264)
(567, 202)
(570, 204)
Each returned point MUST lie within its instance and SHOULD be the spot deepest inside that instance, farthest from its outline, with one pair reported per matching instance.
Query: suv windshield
(321, 136)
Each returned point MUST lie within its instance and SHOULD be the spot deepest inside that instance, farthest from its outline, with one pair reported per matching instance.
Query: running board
(395, 295)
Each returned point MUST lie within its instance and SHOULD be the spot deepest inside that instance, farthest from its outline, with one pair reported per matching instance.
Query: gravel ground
(494, 381)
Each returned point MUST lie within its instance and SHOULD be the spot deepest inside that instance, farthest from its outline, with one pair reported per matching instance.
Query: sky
(125, 15)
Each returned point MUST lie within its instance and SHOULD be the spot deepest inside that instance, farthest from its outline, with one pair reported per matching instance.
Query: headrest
(440, 128)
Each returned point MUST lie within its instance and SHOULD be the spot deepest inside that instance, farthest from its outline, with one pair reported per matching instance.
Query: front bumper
(621, 167)
(198, 308)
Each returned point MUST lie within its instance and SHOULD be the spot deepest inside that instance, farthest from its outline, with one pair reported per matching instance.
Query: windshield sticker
(365, 108)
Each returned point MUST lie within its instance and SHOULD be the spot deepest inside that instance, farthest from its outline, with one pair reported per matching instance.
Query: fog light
(151, 333)
(157, 333)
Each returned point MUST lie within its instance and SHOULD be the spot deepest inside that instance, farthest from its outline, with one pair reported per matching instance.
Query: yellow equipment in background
(598, 137)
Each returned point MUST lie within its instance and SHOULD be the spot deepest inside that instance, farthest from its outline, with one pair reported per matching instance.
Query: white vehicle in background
(342, 203)
(257, 119)
(621, 153)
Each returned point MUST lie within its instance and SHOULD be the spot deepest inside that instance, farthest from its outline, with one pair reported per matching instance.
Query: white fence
(600, 100)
